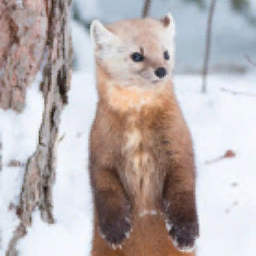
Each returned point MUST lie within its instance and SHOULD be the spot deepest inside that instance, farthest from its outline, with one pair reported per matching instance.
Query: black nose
(161, 72)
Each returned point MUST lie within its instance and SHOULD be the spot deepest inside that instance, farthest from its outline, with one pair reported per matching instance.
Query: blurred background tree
(200, 3)
(241, 7)
(244, 8)
(233, 18)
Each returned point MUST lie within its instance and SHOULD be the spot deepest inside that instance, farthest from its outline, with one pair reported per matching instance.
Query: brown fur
(141, 160)
(164, 140)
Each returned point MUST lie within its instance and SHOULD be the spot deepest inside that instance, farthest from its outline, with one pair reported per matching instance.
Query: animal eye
(137, 57)
(166, 55)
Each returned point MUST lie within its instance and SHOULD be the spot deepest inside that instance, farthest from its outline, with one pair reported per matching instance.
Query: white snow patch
(150, 212)
(19, 134)
(20, 3)
(168, 225)
(82, 47)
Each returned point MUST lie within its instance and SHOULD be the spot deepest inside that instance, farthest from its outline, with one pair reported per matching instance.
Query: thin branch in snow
(208, 45)
(62, 138)
(15, 163)
(146, 8)
(229, 154)
(238, 93)
(19, 233)
(250, 61)
(235, 203)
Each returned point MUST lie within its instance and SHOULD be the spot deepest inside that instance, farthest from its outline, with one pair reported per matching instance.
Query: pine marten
(142, 169)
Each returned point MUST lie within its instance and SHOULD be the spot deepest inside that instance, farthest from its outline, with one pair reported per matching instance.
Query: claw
(168, 225)
(186, 249)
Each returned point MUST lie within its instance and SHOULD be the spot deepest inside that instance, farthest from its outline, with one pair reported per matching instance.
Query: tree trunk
(23, 37)
(208, 45)
(36, 35)
(146, 8)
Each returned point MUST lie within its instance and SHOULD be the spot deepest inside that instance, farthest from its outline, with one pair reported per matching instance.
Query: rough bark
(253, 63)
(39, 175)
(22, 42)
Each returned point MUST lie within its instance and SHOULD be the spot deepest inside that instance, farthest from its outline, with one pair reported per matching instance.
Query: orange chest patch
(124, 99)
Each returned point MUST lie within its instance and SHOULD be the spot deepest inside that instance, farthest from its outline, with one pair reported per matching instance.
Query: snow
(19, 3)
(219, 121)
(72, 197)
(19, 139)
(82, 47)
(226, 195)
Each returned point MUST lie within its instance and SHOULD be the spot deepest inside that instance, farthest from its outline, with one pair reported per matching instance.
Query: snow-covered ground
(219, 121)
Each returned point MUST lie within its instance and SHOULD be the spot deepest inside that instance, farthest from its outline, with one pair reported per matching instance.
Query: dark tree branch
(250, 61)
(228, 154)
(208, 45)
(146, 8)
(238, 93)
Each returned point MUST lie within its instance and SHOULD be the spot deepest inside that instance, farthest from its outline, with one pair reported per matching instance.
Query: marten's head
(138, 52)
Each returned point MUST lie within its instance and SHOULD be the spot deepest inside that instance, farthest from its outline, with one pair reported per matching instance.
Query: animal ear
(100, 35)
(168, 22)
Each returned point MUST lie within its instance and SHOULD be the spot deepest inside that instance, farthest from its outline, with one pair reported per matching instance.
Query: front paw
(183, 235)
(115, 230)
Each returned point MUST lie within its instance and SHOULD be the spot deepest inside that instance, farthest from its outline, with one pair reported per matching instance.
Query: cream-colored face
(137, 52)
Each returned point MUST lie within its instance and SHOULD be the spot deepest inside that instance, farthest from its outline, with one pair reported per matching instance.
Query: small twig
(238, 93)
(62, 138)
(15, 163)
(208, 45)
(234, 204)
(146, 8)
(250, 61)
(19, 233)
(229, 154)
